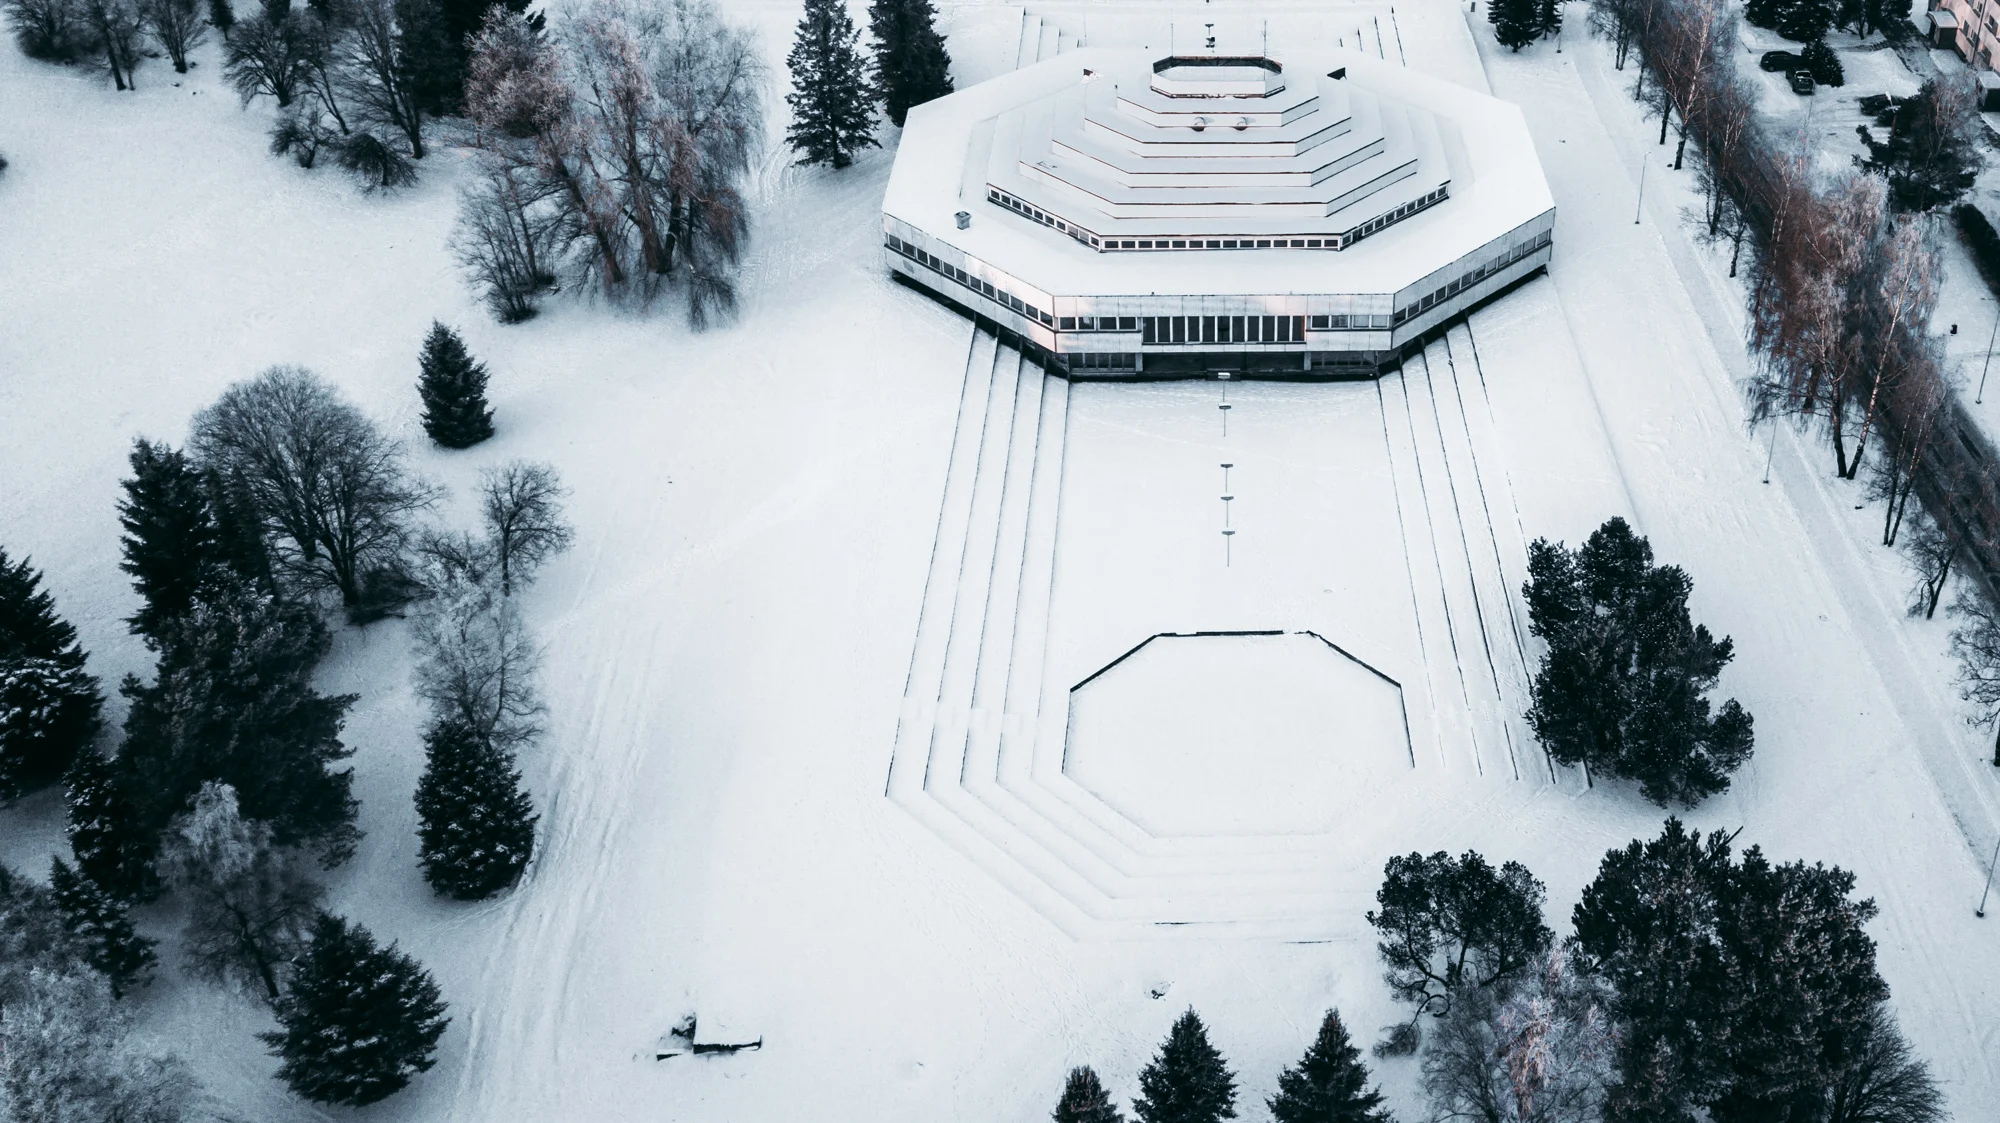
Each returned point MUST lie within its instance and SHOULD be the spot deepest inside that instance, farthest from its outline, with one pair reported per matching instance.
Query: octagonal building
(1126, 215)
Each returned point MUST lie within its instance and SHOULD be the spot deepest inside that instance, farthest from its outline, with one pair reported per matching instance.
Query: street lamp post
(1985, 366)
(1642, 193)
(1981, 910)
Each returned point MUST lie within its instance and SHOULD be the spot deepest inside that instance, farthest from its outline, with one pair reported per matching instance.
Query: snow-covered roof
(1109, 171)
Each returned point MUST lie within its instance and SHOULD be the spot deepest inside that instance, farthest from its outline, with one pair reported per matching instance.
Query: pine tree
(1187, 1081)
(477, 825)
(221, 15)
(49, 706)
(233, 701)
(29, 626)
(1762, 13)
(1084, 1100)
(911, 65)
(1824, 64)
(170, 535)
(359, 1020)
(1548, 19)
(110, 846)
(1329, 1084)
(1624, 684)
(48, 714)
(1739, 986)
(1516, 23)
(102, 928)
(831, 118)
(453, 388)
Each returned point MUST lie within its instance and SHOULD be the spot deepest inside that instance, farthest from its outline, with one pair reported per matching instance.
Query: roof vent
(964, 219)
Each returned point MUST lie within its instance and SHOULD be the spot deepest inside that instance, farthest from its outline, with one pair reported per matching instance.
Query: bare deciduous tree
(1544, 1053)
(46, 29)
(1933, 548)
(332, 491)
(522, 505)
(67, 1053)
(376, 75)
(503, 239)
(250, 903)
(477, 665)
(178, 26)
(636, 119)
(1976, 644)
(115, 27)
(263, 57)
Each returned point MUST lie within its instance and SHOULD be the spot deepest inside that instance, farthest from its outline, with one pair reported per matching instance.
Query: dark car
(1801, 80)
(1780, 60)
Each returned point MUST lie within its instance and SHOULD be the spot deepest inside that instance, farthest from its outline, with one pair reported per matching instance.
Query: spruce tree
(1187, 1081)
(49, 705)
(233, 701)
(1084, 1100)
(48, 714)
(170, 535)
(1516, 23)
(453, 387)
(1823, 63)
(476, 824)
(112, 849)
(1329, 1084)
(1740, 986)
(1624, 684)
(102, 928)
(359, 1020)
(911, 65)
(221, 15)
(831, 117)
(29, 626)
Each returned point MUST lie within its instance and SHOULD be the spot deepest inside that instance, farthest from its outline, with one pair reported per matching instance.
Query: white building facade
(1131, 216)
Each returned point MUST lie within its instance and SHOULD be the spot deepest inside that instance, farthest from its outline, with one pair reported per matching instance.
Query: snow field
(757, 508)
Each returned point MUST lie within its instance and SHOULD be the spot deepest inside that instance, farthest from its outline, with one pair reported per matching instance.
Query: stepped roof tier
(1335, 178)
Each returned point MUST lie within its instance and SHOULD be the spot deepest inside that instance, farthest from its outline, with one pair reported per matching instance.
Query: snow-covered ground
(759, 517)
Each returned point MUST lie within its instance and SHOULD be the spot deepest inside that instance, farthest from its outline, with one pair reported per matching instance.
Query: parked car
(1801, 80)
(1775, 61)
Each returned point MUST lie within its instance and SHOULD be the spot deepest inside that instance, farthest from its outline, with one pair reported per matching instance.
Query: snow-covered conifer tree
(831, 115)
(102, 927)
(359, 1020)
(911, 65)
(452, 385)
(1084, 1099)
(1187, 1081)
(1329, 1084)
(112, 849)
(477, 825)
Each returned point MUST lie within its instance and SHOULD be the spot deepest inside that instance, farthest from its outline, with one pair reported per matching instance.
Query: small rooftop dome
(1217, 76)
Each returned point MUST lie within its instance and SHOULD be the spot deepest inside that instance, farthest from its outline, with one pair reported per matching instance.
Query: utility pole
(1771, 451)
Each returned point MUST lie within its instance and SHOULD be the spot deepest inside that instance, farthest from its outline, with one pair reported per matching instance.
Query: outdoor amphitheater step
(1455, 741)
(1469, 570)
(975, 572)
(922, 683)
(1507, 541)
(1031, 39)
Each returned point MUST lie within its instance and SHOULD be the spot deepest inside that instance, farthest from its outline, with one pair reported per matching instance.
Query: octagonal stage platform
(1125, 215)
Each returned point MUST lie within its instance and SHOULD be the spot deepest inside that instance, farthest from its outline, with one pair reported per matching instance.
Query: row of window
(954, 273)
(1419, 307)
(1224, 329)
(1114, 360)
(1218, 329)
(1339, 241)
